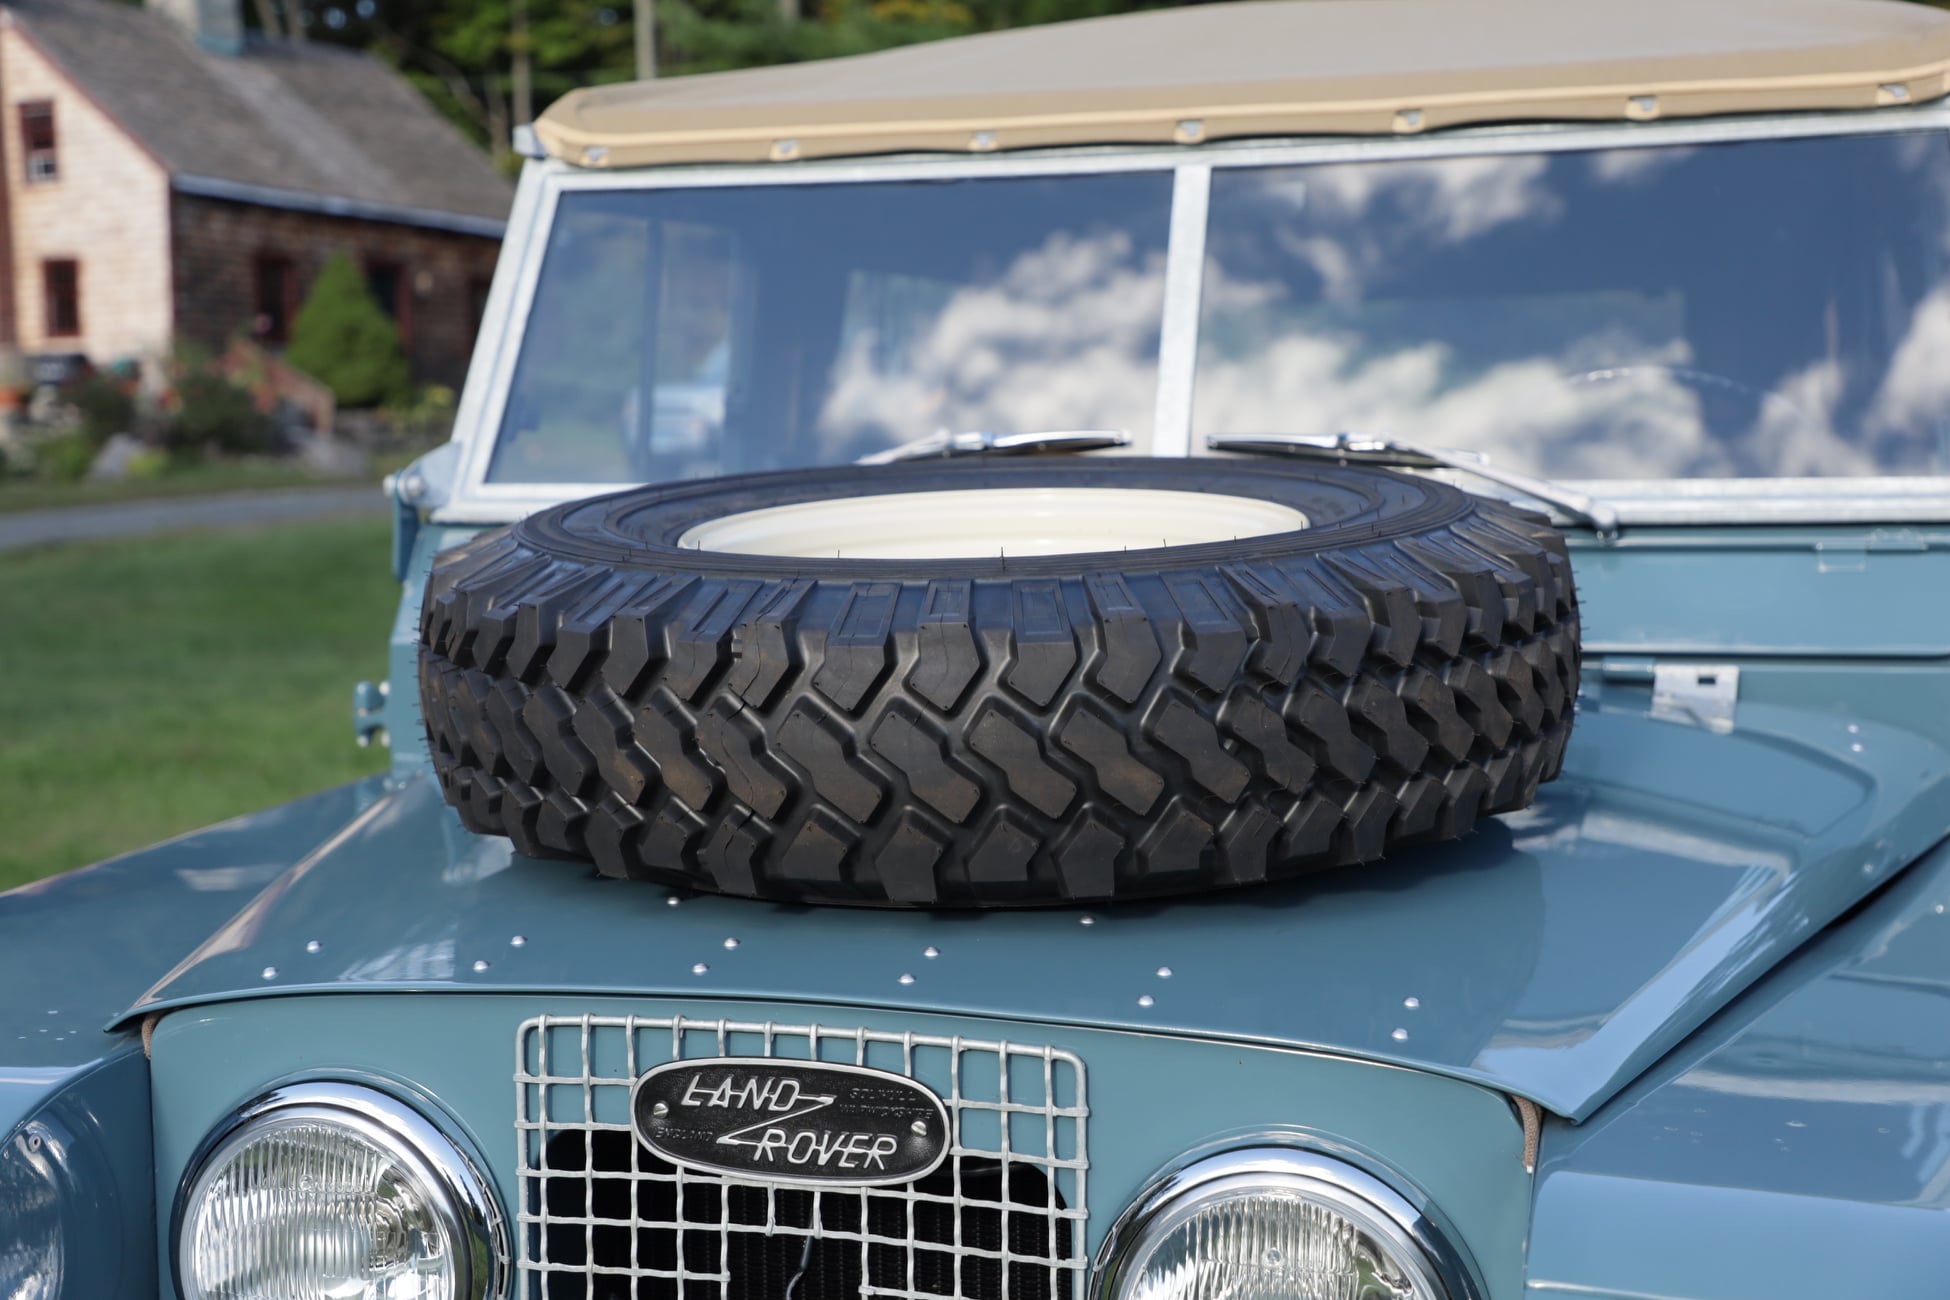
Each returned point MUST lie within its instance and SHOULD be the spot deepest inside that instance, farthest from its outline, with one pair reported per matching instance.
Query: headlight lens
(1272, 1224)
(328, 1192)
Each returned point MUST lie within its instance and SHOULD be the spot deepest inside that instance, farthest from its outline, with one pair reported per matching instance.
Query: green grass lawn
(157, 685)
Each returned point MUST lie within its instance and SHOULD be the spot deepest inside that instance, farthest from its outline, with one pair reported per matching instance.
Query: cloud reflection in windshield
(1066, 337)
(1648, 313)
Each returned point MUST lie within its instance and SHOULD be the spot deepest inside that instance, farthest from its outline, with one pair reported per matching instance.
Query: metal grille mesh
(603, 1217)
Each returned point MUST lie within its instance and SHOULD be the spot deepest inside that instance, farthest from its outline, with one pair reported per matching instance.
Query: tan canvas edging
(1376, 116)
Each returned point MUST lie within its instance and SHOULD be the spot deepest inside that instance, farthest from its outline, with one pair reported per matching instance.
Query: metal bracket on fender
(1699, 695)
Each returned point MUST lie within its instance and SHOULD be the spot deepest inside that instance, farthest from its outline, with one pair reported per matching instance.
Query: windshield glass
(1752, 309)
(677, 333)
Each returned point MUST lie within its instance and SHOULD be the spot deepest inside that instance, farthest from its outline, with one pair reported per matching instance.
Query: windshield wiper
(1399, 452)
(999, 444)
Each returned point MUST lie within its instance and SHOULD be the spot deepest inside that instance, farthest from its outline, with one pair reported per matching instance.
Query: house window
(389, 285)
(37, 141)
(61, 280)
(276, 292)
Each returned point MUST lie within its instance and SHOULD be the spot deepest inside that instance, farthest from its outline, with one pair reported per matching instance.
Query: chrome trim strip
(1171, 426)
(1783, 501)
(472, 1214)
(1410, 1236)
(476, 501)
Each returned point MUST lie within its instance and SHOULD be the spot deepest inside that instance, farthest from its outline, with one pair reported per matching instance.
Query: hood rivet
(730, 943)
(930, 951)
(1400, 1035)
(1086, 920)
(518, 941)
(1164, 972)
(313, 946)
(481, 965)
(1412, 1003)
(1147, 1000)
(270, 972)
(699, 969)
(907, 979)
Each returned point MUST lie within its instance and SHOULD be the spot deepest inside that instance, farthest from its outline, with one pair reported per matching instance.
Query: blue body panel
(1151, 1098)
(75, 949)
(1555, 954)
(1798, 1146)
(77, 1190)
(1744, 592)
(77, 1201)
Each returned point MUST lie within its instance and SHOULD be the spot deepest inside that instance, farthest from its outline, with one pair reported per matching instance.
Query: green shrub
(213, 412)
(66, 458)
(105, 405)
(148, 464)
(343, 339)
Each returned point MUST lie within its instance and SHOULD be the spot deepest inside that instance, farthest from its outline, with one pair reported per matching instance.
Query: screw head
(659, 1110)
(919, 1128)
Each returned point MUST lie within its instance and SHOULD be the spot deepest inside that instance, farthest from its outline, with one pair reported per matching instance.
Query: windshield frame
(473, 499)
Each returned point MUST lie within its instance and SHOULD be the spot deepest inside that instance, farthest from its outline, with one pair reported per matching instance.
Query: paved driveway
(167, 514)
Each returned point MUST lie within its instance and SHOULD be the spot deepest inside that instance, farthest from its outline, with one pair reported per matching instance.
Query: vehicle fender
(77, 1187)
(1797, 1145)
(77, 1184)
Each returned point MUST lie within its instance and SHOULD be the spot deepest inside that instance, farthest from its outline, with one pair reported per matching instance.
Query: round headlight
(1275, 1224)
(335, 1192)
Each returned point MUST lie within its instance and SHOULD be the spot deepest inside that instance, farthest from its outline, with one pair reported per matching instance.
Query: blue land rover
(1248, 652)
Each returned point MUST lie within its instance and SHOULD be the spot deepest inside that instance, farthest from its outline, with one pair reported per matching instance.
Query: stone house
(169, 177)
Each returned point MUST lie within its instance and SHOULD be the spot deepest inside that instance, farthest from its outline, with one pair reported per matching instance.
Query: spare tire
(906, 685)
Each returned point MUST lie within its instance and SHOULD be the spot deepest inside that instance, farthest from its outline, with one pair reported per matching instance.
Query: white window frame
(473, 499)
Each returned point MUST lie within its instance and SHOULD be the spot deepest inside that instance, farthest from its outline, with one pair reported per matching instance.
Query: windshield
(677, 333)
(1754, 309)
(1749, 309)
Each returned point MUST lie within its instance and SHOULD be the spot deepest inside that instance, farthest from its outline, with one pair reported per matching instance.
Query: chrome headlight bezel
(468, 1208)
(1403, 1228)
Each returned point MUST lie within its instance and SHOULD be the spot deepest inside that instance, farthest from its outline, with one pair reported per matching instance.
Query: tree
(344, 340)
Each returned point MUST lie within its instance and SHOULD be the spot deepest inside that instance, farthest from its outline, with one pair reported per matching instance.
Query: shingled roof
(286, 123)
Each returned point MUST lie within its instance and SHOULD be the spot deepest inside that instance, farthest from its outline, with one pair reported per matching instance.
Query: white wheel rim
(1004, 522)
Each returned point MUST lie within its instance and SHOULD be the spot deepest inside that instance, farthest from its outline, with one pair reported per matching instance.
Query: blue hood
(1553, 955)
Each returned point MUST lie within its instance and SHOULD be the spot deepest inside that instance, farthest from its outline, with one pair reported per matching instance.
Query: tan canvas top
(1277, 67)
